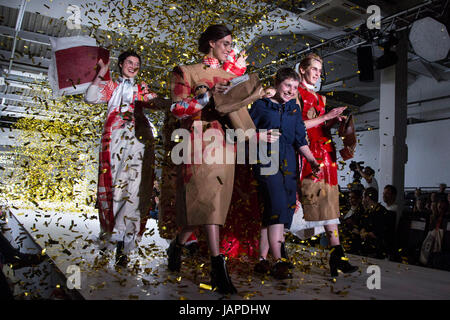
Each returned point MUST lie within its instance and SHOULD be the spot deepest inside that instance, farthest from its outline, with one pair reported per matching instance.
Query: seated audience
(441, 258)
(412, 230)
(418, 193)
(389, 197)
(441, 214)
(419, 211)
(350, 222)
(442, 194)
(432, 203)
(377, 226)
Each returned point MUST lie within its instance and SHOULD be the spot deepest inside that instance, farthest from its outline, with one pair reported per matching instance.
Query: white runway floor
(69, 239)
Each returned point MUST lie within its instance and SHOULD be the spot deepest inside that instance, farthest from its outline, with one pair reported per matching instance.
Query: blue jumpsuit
(278, 190)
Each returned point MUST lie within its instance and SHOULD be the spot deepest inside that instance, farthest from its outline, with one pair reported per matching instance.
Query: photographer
(356, 184)
(369, 176)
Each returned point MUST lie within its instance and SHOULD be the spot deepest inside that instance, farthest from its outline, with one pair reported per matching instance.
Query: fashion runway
(69, 239)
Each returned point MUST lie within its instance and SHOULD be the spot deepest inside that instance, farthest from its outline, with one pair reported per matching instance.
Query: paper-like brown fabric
(239, 96)
(205, 199)
(320, 200)
(241, 120)
(347, 132)
(202, 192)
(234, 103)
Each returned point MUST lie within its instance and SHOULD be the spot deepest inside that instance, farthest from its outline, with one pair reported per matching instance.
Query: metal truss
(360, 36)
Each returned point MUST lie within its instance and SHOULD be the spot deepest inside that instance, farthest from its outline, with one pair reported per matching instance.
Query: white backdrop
(428, 154)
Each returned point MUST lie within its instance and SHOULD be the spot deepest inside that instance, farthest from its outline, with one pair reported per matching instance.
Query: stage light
(430, 39)
(389, 58)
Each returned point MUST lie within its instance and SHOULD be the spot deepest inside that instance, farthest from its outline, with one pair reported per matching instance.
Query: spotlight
(430, 39)
(389, 58)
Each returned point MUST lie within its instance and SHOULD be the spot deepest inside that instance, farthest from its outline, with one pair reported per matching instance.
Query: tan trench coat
(198, 193)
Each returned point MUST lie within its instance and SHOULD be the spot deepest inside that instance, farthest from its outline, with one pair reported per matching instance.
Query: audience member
(350, 222)
(356, 185)
(389, 198)
(419, 211)
(377, 226)
(440, 214)
(442, 194)
(440, 257)
(417, 193)
(432, 203)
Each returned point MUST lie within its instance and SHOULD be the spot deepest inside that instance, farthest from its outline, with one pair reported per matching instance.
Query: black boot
(174, 255)
(284, 255)
(192, 248)
(262, 267)
(280, 270)
(338, 261)
(220, 277)
(121, 258)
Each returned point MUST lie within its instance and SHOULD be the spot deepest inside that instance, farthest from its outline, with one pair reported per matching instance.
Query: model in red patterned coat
(319, 192)
(126, 158)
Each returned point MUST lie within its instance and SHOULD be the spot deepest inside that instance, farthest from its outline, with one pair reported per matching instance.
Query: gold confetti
(205, 286)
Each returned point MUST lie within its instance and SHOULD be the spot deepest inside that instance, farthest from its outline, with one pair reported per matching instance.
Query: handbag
(347, 133)
(244, 91)
(431, 244)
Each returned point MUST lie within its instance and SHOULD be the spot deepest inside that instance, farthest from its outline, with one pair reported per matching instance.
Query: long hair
(212, 33)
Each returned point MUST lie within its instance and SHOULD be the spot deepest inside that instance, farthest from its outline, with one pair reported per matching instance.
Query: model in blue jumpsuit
(278, 190)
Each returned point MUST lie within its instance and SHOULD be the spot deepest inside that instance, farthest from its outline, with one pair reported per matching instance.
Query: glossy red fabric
(320, 141)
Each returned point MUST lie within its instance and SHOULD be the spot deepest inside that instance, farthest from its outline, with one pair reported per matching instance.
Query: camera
(353, 165)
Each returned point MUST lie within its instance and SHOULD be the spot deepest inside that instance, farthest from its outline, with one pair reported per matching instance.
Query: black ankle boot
(284, 255)
(174, 255)
(280, 270)
(338, 261)
(220, 277)
(121, 258)
(262, 267)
